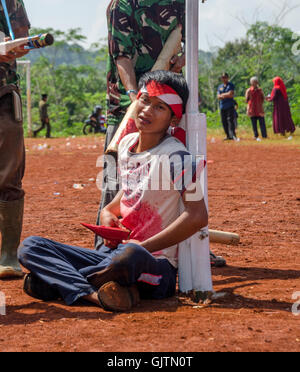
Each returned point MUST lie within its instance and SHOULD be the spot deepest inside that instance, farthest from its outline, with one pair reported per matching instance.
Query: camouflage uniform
(138, 30)
(12, 158)
(20, 26)
(43, 108)
(12, 149)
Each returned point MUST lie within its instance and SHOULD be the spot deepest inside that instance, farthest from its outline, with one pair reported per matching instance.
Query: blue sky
(220, 20)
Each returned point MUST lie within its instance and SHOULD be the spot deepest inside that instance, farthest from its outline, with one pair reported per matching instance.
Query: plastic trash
(78, 186)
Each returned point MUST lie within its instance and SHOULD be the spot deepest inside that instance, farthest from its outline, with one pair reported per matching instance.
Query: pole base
(204, 298)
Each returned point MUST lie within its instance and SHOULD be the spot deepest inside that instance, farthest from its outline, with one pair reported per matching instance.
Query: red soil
(254, 190)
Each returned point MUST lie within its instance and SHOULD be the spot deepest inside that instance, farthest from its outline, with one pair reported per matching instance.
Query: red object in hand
(109, 233)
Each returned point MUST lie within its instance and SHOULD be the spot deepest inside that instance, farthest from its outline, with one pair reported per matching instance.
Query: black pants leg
(254, 126)
(48, 126)
(225, 122)
(263, 129)
(227, 116)
(231, 122)
(43, 124)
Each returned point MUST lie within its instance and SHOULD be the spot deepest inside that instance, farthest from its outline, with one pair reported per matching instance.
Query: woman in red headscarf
(282, 118)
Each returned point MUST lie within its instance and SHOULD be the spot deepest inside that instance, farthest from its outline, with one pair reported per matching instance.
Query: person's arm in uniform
(180, 60)
(122, 45)
(127, 76)
(122, 48)
(20, 25)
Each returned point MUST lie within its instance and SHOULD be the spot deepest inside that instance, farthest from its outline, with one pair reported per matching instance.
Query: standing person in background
(225, 97)
(43, 107)
(12, 149)
(255, 98)
(282, 117)
(137, 32)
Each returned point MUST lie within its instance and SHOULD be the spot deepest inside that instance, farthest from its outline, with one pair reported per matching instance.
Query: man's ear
(174, 121)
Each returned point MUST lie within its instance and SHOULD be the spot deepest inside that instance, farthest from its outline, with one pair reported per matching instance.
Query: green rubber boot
(11, 221)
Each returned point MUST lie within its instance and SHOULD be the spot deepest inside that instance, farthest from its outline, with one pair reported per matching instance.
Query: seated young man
(152, 204)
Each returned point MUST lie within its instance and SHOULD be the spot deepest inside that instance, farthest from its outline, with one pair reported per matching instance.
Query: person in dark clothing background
(225, 97)
(282, 117)
(43, 107)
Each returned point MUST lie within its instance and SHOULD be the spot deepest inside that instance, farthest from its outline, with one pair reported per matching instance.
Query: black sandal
(37, 288)
(217, 261)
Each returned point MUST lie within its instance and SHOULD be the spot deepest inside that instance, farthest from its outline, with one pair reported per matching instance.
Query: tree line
(75, 78)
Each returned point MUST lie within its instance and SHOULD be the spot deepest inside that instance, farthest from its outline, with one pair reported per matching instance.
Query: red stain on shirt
(143, 223)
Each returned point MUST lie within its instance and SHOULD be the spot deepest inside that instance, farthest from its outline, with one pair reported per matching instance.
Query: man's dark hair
(44, 96)
(225, 74)
(175, 81)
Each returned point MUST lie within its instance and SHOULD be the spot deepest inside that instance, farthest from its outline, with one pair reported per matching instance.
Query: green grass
(246, 137)
(214, 130)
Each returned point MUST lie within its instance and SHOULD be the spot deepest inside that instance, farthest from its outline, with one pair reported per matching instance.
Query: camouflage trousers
(12, 149)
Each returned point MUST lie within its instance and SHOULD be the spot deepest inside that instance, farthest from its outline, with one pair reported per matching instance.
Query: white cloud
(225, 20)
(99, 26)
(218, 18)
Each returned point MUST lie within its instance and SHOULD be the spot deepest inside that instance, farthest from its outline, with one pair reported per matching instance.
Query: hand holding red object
(109, 233)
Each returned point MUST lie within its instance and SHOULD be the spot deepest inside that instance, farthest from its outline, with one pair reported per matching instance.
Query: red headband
(166, 94)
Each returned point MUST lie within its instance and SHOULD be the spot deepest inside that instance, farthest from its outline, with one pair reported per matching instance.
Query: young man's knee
(27, 247)
(124, 264)
(131, 255)
(132, 252)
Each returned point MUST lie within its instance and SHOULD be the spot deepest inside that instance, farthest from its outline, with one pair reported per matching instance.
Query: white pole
(194, 259)
(192, 58)
(28, 94)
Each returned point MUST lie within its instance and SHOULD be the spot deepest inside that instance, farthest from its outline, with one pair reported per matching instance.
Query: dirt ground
(254, 190)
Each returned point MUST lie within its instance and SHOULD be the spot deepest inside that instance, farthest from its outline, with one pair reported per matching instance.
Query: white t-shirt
(153, 183)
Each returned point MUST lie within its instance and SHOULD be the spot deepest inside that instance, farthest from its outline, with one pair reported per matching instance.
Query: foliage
(75, 78)
(73, 88)
(265, 52)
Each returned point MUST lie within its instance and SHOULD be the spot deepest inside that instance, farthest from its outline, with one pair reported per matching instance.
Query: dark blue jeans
(67, 268)
(262, 124)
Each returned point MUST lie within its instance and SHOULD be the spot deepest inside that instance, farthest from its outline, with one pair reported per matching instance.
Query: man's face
(225, 79)
(254, 83)
(153, 116)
